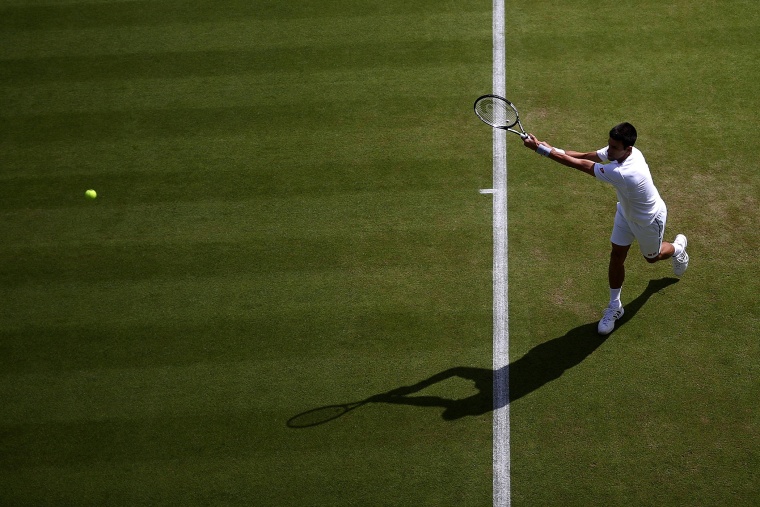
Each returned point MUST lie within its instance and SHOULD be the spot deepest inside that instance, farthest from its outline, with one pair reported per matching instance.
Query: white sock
(678, 249)
(615, 298)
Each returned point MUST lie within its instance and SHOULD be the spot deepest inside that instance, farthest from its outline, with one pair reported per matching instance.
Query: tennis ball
(91, 194)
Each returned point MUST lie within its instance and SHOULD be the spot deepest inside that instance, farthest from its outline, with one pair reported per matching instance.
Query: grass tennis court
(288, 220)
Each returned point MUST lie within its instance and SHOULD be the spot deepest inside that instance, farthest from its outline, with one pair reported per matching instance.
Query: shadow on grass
(542, 364)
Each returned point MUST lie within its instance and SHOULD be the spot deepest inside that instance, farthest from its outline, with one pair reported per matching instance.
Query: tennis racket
(499, 113)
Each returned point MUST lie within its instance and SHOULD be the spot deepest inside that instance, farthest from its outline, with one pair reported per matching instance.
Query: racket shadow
(543, 364)
(479, 403)
(321, 415)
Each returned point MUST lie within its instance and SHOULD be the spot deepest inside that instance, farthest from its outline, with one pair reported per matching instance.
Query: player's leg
(675, 251)
(650, 238)
(621, 240)
(616, 271)
(654, 249)
(666, 252)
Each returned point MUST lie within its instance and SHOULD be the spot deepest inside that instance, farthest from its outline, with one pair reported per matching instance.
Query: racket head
(496, 111)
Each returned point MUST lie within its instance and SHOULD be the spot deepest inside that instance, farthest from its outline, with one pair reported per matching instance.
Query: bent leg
(650, 238)
(666, 252)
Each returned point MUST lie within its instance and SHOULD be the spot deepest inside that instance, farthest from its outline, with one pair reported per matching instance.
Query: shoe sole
(677, 264)
(684, 265)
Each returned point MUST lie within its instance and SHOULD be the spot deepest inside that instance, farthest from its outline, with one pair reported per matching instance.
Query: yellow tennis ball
(91, 194)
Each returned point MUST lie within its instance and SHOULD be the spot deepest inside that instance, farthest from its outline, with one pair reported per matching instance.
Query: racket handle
(524, 136)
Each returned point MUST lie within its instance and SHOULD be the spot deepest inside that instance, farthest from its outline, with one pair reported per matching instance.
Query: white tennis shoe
(607, 324)
(680, 262)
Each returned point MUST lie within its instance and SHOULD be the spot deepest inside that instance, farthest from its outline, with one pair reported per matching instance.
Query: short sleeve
(608, 172)
(599, 172)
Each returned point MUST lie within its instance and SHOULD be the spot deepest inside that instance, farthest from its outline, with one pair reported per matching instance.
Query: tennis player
(641, 212)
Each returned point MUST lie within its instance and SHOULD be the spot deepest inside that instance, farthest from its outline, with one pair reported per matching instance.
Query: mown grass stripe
(83, 15)
(229, 62)
(243, 34)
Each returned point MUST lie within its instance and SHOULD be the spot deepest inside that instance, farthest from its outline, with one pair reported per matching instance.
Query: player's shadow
(542, 364)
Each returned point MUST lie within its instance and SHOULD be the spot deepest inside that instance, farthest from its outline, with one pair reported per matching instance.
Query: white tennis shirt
(639, 198)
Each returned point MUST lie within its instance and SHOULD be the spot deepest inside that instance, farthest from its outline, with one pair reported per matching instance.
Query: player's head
(625, 133)
(622, 139)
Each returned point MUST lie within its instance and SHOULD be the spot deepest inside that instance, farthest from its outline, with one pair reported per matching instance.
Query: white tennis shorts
(649, 236)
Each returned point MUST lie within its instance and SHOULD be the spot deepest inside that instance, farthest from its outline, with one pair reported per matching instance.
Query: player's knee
(617, 256)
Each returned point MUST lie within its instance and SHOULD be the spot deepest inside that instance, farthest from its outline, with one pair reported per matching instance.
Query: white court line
(501, 446)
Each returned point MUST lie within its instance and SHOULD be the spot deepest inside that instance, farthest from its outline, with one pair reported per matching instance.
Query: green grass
(663, 412)
(288, 218)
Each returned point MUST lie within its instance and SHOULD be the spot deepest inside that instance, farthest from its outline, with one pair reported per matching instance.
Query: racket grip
(524, 136)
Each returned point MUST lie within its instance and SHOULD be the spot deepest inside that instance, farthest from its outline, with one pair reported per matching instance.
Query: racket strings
(496, 112)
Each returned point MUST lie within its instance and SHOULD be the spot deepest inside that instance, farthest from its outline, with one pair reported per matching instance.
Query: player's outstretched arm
(584, 162)
(563, 158)
(590, 155)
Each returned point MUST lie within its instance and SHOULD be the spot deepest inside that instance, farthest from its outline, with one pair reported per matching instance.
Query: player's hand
(531, 142)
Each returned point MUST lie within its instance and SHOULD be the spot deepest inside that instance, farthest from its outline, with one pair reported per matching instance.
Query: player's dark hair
(625, 133)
